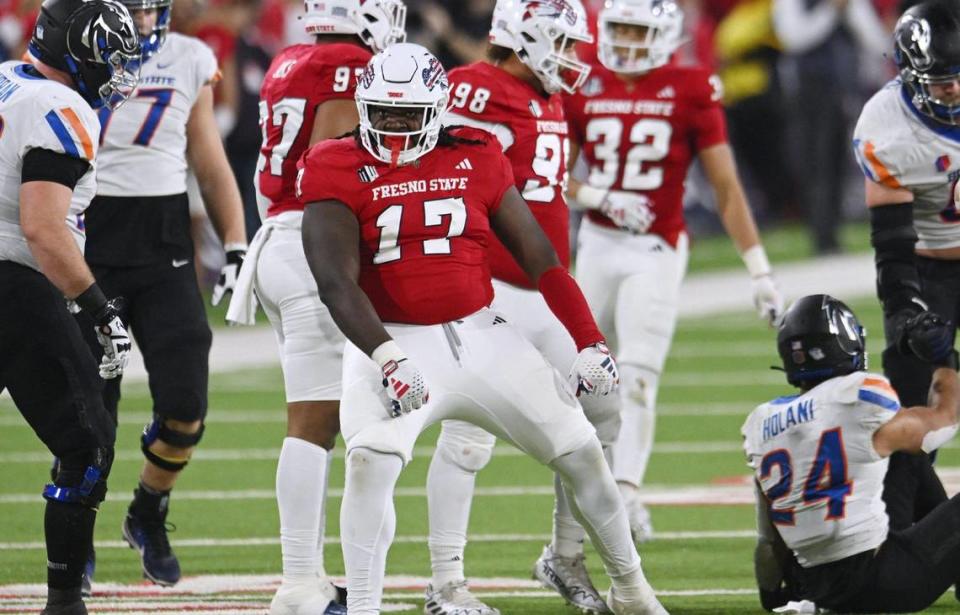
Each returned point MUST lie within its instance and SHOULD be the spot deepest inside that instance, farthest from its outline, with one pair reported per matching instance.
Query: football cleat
(455, 598)
(74, 608)
(149, 538)
(86, 581)
(647, 605)
(568, 577)
(307, 598)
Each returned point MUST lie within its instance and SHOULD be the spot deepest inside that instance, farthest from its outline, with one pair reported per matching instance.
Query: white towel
(243, 304)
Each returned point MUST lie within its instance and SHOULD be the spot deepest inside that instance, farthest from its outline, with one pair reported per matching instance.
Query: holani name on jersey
(419, 185)
(792, 415)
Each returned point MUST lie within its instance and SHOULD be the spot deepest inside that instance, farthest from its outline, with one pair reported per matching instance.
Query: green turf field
(227, 521)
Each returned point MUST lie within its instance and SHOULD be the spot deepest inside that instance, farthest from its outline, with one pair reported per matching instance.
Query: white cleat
(455, 598)
(643, 605)
(568, 577)
(302, 598)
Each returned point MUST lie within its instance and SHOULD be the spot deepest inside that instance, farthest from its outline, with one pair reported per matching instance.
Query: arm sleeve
(41, 164)
(709, 121)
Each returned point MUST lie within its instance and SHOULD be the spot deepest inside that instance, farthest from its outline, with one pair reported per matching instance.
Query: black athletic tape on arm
(44, 165)
(894, 240)
(91, 300)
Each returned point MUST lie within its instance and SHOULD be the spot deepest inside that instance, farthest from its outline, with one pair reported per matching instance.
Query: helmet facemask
(937, 96)
(637, 37)
(558, 69)
(153, 41)
(407, 81)
(927, 52)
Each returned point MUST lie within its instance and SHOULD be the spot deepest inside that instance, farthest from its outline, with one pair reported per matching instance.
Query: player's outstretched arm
(331, 235)
(925, 428)
(721, 171)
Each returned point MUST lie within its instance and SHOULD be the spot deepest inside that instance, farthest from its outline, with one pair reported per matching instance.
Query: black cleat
(86, 581)
(145, 530)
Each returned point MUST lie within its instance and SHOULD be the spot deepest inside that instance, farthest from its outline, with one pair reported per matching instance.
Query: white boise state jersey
(143, 149)
(899, 147)
(39, 113)
(814, 458)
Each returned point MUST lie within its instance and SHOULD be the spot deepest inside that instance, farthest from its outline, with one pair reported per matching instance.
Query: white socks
(322, 523)
(301, 491)
(449, 496)
(367, 524)
(594, 500)
(631, 451)
(568, 535)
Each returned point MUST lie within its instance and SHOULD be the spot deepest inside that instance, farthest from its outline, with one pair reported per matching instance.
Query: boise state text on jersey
(642, 135)
(424, 226)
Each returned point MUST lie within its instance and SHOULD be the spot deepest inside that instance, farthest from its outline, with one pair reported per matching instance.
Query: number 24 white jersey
(814, 458)
(144, 142)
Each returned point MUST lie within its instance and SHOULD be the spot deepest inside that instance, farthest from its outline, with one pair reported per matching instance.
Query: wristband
(235, 246)
(386, 352)
(755, 259)
(91, 300)
(590, 197)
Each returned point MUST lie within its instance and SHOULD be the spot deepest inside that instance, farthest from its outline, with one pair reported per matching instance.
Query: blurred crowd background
(795, 72)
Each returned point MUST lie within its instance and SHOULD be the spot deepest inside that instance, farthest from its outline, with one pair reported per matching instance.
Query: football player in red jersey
(515, 95)
(307, 96)
(638, 122)
(396, 231)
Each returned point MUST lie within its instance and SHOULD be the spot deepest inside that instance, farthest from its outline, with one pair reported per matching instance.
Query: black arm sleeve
(44, 165)
(894, 239)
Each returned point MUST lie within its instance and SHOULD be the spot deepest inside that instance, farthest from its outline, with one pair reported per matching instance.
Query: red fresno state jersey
(533, 133)
(424, 227)
(300, 79)
(642, 135)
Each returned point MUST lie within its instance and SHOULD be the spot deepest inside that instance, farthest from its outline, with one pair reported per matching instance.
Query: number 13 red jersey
(300, 79)
(535, 135)
(642, 135)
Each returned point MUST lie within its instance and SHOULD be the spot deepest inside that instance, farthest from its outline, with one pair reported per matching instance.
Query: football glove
(402, 382)
(930, 338)
(595, 372)
(767, 299)
(628, 210)
(228, 275)
(113, 337)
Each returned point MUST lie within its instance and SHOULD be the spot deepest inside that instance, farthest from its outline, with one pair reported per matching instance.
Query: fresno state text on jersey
(424, 226)
(533, 133)
(300, 79)
(642, 135)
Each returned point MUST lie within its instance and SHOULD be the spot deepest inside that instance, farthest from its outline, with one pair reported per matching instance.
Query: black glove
(228, 275)
(930, 338)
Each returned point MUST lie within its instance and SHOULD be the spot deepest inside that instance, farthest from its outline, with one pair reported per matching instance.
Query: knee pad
(157, 429)
(81, 478)
(466, 446)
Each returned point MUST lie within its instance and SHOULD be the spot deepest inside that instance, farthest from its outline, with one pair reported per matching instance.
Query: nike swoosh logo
(178, 263)
(164, 66)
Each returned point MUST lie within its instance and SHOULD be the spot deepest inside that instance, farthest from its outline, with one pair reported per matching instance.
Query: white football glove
(767, 299)
(404, 384)
(113, 337)
(595, 372)
(628, 210)
(228, 275)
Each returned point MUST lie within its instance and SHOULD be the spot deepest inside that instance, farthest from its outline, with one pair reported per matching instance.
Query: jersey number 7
(827, 479)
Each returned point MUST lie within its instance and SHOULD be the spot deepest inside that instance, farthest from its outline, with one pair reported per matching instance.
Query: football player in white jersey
(81, 56)
(907, 142)
(139, 245)
(819, 461)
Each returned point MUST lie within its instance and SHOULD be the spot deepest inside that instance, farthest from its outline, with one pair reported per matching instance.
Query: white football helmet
(663, 20)
(542, 34)
(378, 23)
(404, 76)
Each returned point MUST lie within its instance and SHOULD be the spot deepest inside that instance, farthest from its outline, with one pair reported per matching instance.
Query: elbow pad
(937, 438)
(894, 240)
